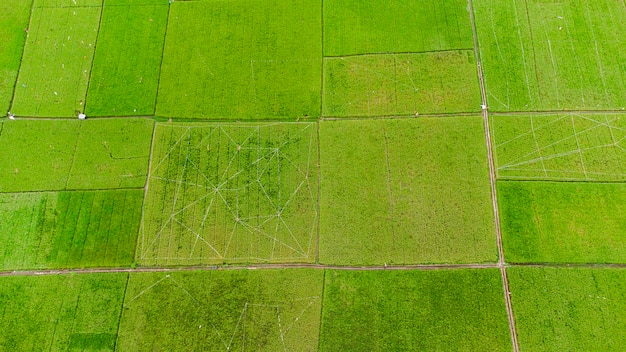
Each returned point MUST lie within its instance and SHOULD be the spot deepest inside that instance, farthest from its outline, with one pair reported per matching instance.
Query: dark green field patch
(242, 59)
(231, 193)
(563, 222)
(361, 27)
(401, 84)
(127, 62)
(38, 155)
(57, 61)
(563, 147)
(446, 310)
(569, 309)
(60, 312)
(13, 22)
(553, 55)
(402, 191)
(69, 229)
(269, 310)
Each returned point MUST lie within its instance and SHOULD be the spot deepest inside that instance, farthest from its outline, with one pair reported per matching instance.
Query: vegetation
(69, 229)
(57, 155)
(60, 312)
(443, 310)
(552, 55)
(563, 222)
(586, 147)
(569, 309)
(127, 61)
(269, 310)
(231, 193)
(402, 191)
(242, 60)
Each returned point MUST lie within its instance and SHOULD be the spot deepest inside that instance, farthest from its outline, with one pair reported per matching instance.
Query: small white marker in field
(11, 115)
(483, 106)
(82, 116)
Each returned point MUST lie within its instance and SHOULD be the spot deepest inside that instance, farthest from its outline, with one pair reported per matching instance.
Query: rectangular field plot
(553, 55)
(127, 61)
(243, 59)
(569, 309)
(222, 193)
(401, 84)
(563, 222)
(57, 61)
(402, 191)
(69, 229)
(14, 19)
(61, 154)
(361, 27)
(269, 310)
(586, 147)
(443, 310)
(60, 312)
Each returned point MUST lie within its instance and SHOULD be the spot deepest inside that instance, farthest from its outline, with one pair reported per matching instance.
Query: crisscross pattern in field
(224, 193)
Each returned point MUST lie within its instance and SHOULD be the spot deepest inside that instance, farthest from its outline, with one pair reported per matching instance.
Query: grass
(563, 222)
(569, 309)
(447, 310)
(57, 61)
(585, 147)
(402, 191)
(401, 84)
(562, 55)
(231, 193)
(69, 229)
(56, 155)
(269, 310)
(359, 27)
(243, 60)
(60, 312)
(127, 61)
(15, 16)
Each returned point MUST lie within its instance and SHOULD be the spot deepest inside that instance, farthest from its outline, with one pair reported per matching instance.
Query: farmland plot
(405, 191)
(569, 309)
(254, 59)
(563, 222)
(15, 16)
(69, 229)
(269, 310)
(586, 147)
(57, 59)
(231, 193)
(401, 84)
(444, 310)
(60, 312)
(360, 27)
(127, 62)
(61, 154)
(553, 55)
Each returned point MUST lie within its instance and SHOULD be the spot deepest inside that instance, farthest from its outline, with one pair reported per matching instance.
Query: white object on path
(11, 115)
(82, 116)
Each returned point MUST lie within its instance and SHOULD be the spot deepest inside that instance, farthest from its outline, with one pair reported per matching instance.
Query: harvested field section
(60, 312)
(127, 61)
(222, 193)
(561, 147)
(13, 22)
(69, 229)
(57, 61)
(563, 222)
(44, 155)
(547, 55)
(361, 27)
(444, 310)
(569, 309)
(397, 191)
(256, 59)
(269, 310)
(401, 84)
